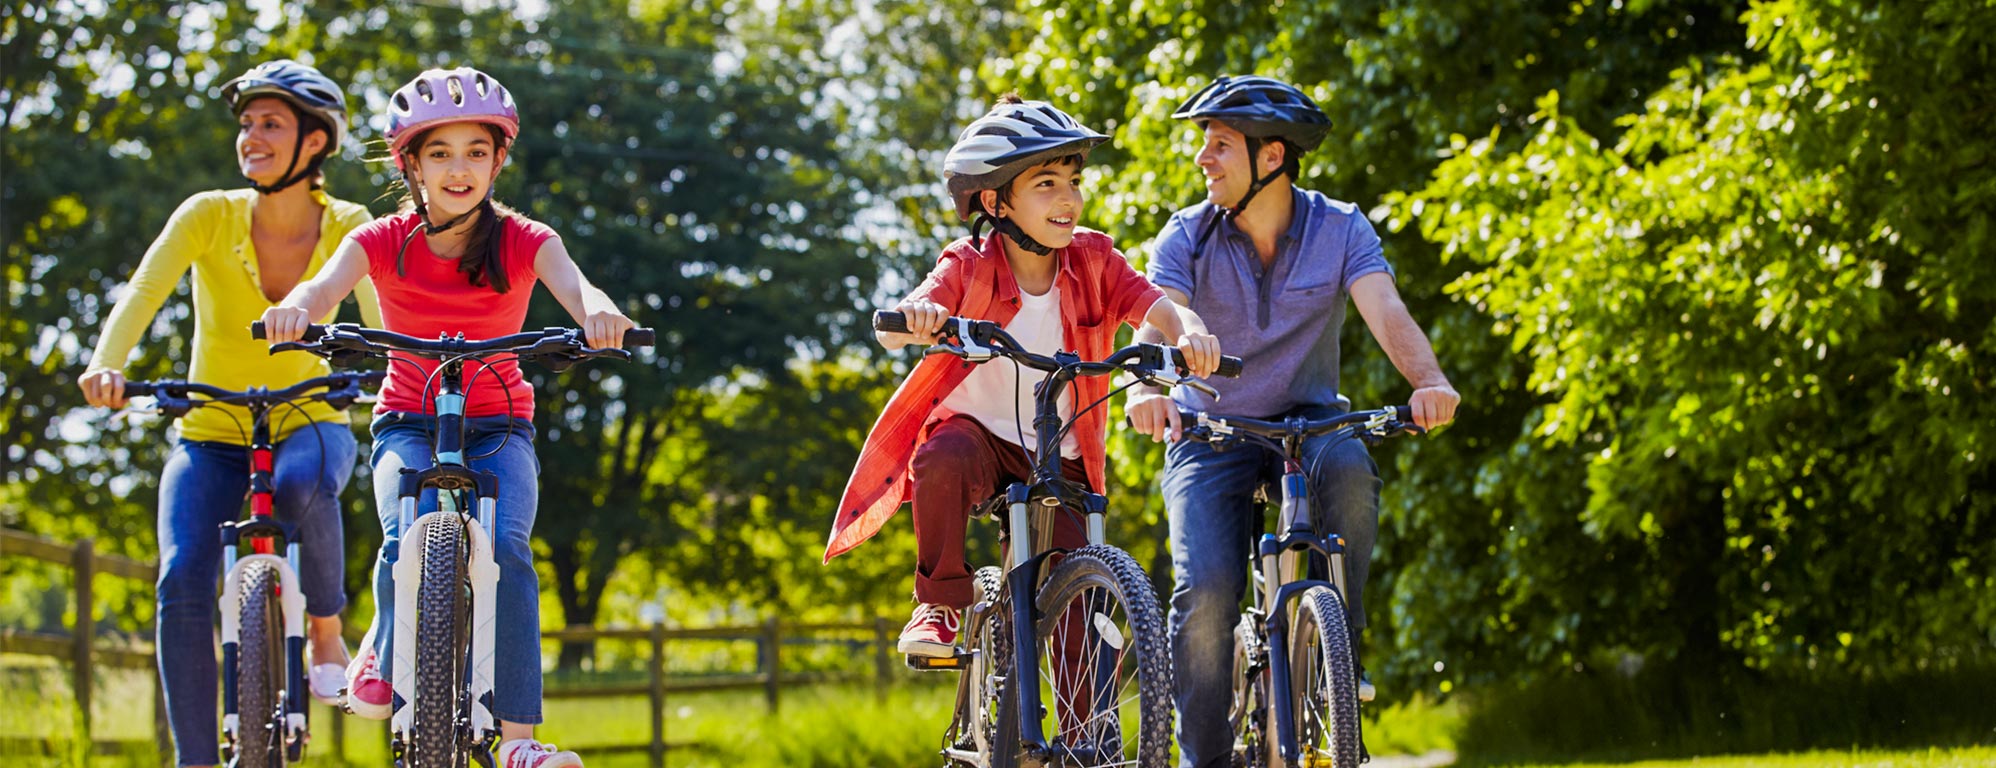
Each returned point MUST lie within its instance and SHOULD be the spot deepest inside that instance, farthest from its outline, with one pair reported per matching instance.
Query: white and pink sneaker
(527, 753)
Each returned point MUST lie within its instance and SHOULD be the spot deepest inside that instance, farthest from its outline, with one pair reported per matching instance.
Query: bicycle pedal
(953, 663)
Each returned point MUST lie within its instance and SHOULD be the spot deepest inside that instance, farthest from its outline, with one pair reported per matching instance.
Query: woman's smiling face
(266, 135)
(456, 164)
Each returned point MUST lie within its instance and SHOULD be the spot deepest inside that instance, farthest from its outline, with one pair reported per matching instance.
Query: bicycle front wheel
(443, 618)
(259, 669)
(1105, 666)
(1324, 683)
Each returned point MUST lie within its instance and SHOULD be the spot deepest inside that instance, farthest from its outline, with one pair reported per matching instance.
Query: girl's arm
(592, 309)
(318, 296)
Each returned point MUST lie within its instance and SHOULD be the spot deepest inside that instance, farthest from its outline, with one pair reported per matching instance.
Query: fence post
(657, 694)
(83, 563)
(161, 731)
(772, 662)
(880, 678)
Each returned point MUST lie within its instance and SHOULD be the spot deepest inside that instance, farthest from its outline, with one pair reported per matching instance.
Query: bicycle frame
(450, 475)
(1282, 560)
(265, 534)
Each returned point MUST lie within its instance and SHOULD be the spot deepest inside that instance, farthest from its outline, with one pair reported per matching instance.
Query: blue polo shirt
(1283, 322)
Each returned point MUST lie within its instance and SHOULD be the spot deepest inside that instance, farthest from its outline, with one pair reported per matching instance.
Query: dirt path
(1435, 759)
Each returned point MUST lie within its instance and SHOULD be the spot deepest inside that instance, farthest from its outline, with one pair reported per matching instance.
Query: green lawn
(1974, 757)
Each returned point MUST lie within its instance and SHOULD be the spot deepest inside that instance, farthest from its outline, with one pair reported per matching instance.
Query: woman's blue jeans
(201, 487)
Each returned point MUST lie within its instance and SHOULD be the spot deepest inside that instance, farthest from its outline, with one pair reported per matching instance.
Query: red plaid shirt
(1099, 292)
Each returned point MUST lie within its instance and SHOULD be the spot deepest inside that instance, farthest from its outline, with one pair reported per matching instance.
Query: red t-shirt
(1099, 293)
(434, 298)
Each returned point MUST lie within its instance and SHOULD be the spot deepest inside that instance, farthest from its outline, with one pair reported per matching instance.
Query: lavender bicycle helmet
(309, 92)
(440, 96)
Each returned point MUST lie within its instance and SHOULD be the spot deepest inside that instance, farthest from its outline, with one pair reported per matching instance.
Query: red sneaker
(931, 632)
(368, 695)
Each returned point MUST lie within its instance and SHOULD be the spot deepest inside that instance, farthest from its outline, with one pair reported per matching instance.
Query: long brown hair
(480, 261)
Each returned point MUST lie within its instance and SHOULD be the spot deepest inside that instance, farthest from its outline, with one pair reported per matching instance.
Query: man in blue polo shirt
(1270, 280)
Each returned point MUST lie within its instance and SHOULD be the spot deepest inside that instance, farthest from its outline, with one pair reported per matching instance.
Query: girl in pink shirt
(456, 261)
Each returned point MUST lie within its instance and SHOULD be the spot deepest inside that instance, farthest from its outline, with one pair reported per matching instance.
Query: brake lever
(1172, 378)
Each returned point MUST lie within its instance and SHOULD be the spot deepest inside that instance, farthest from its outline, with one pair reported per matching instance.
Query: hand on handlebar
(605, 329)
(103, 387)
(1434, 406)
(282, 324)
(1154, 414)
(924, 319)
(1202, 353)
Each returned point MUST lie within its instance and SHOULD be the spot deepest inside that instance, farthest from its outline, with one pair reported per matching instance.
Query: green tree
(1758, 325)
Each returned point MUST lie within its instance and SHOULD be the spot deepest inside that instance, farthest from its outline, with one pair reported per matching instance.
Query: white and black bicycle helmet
(994, 149)
(307, 90)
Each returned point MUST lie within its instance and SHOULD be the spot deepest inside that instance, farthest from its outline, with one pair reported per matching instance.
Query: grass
(1968, 757)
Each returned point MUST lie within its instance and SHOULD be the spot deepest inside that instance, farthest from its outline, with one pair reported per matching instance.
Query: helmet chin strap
(311, 168)
(1254, 150)
(1005, 226)
(423, 215)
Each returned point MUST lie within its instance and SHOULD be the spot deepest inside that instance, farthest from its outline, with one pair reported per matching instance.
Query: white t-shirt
(999, 392)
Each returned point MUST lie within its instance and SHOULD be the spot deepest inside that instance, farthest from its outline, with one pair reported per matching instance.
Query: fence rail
(84, 654)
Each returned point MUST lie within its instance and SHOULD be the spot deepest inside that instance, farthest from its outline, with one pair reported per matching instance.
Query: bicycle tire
(440, 649)
(992, 709)
(259, 669)
(1324, 682)
(1098, 582)
(1247, 709)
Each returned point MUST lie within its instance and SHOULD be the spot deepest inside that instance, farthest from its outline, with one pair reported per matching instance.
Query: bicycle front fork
(483, 576)
(291, 601)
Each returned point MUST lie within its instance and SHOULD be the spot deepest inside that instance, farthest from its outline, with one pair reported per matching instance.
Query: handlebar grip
(1230, 366)
(639, 338)
(313, 332)
(1403, 413)
(890, 321)
(139, 389)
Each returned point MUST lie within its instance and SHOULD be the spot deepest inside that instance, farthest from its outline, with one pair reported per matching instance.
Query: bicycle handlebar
(344, 343)
(339, 390)
(1384, 422)
(984, 332)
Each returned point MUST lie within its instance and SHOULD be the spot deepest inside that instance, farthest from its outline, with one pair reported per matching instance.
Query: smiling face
(1227, 166)
(266, 137)
(455, 164)
(1045, 201)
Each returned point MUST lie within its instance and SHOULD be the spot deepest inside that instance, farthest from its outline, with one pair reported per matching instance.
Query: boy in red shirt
(954, 432)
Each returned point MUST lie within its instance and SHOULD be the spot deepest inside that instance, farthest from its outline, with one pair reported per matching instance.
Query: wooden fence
(84, 655)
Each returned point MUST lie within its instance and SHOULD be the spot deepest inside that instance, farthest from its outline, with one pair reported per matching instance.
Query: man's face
(1227, 165)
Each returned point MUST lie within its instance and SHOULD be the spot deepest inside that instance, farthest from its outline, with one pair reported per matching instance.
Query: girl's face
(455, 164)
(1045, 202)
(267, 132)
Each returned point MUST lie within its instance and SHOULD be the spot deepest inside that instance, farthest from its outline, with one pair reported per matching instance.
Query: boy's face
(1045, 202)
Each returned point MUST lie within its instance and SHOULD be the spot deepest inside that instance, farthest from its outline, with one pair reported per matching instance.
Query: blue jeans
(201, 487)
(403, 440)
(1209, 498)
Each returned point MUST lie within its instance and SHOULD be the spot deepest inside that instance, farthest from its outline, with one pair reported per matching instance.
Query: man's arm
(1148, 408)
(1434, 400)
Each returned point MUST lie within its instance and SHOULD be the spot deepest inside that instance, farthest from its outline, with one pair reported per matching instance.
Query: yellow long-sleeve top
(211, 234)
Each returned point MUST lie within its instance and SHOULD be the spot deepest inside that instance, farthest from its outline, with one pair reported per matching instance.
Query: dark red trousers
(961, 464)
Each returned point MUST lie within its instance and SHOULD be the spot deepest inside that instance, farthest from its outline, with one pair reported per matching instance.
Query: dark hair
(1005, 190)
(480, 261)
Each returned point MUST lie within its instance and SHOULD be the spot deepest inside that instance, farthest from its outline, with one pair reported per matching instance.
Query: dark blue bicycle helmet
(1260, 108)
(307, 90)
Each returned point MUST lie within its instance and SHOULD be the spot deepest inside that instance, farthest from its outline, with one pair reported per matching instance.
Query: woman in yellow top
(248, 248)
